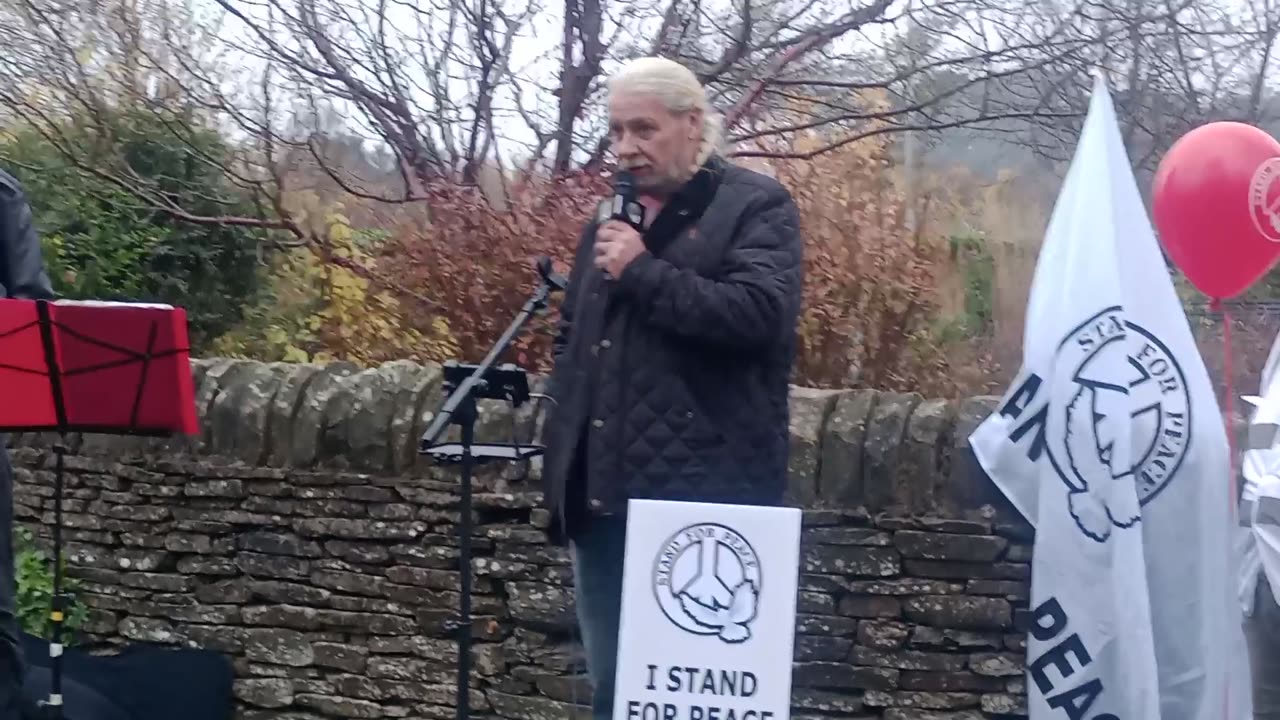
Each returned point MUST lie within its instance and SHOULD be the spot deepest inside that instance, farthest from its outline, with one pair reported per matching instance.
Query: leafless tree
(447, 90)
(70, 67)
(75, 69)
(1172, 66)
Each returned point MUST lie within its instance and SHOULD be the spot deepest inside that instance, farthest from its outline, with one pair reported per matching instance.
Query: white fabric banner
(1111, 443)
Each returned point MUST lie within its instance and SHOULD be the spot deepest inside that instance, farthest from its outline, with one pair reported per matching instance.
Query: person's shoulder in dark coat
(22, 269)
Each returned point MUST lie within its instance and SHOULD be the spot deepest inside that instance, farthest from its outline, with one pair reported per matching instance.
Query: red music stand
(108, 368)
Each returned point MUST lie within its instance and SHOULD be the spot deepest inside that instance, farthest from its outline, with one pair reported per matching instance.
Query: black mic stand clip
(465, 384)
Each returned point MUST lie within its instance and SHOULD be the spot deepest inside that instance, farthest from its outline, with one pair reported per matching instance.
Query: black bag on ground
(140, 682)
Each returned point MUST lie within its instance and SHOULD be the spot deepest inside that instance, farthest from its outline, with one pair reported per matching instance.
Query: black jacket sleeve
(752, 303)
(22, 271)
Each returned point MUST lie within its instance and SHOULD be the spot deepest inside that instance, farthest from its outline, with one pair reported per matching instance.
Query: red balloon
(1216, 198)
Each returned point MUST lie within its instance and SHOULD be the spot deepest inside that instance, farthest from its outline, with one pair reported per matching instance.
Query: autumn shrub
(869, 295)
(447, 275)
(325, 304)
(471, 258)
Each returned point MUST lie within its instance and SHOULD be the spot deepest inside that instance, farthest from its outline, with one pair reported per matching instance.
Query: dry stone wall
(302, 535)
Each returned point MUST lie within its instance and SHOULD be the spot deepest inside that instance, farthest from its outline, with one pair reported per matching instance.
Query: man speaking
(676, 341)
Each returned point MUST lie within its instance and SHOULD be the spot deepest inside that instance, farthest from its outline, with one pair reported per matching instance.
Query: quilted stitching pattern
(679, 370)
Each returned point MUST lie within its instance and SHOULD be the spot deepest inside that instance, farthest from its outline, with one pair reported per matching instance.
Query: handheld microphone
(550, 277)
(625, 206)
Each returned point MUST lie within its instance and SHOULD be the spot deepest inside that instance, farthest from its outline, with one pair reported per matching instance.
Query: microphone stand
(52, 708)
(466, 384)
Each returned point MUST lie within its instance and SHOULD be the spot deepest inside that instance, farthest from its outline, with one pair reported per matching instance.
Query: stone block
(809, 410)
(302, 535)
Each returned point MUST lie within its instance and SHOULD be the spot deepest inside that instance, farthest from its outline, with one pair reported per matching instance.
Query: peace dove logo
(1264, 199)
(1130, 400)
(706, 579)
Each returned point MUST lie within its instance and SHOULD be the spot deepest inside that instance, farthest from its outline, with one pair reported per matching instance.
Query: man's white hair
(678, 89)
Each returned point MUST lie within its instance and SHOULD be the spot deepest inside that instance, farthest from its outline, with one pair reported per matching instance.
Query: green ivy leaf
(33, 569)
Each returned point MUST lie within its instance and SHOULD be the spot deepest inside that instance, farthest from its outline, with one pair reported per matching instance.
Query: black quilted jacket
(672, 381)
(22, 273)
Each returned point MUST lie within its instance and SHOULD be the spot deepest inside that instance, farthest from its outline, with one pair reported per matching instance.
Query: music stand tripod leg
(58, 605)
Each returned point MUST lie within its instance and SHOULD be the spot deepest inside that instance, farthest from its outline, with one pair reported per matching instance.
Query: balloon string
(1230, 404)
(1229, 411)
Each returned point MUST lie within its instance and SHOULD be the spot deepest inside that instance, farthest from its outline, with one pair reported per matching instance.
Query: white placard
(708, 612)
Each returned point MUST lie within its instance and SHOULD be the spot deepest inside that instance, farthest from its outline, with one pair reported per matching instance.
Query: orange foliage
(870, 293)
(870, 281)
(475, 258)
(869, 288)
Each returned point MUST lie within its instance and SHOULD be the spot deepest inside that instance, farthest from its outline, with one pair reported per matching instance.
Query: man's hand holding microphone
(618, 239)
(617, 244)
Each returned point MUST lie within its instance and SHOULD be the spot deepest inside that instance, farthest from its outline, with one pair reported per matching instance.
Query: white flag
(1110, 442)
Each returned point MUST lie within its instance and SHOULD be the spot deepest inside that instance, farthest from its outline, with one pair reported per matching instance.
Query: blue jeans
(597, 578)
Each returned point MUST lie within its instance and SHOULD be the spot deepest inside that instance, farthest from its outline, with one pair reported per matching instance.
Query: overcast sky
(535, 51)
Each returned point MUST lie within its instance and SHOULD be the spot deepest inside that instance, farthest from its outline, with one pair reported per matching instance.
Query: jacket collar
(696, 194)
(686, 205)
